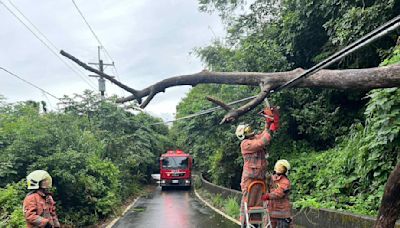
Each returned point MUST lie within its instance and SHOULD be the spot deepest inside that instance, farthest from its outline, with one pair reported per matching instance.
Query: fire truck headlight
(163, 181)
(187, 181)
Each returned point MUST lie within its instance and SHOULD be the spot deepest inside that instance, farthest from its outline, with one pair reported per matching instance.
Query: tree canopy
(98, 154)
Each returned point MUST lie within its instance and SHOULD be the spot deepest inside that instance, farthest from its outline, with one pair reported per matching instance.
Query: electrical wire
(207, 111)
(43, 42)
(364, 40)
(29, 83)
(91, 29)
(38, 30)
(98, 39)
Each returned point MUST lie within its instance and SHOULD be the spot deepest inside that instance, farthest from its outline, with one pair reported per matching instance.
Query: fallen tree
(357, 79)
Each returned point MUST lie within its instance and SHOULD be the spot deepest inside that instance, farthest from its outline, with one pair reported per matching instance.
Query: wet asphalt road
(172, 208)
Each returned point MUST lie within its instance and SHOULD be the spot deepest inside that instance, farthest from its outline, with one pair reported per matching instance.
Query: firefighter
(279, 207)
(254, 154)
(39, 207)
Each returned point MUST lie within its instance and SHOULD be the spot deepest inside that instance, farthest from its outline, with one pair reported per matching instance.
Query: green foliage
(10, 198)
(360, 165)
(228, 205)
(341, 144)
(218, 201)
(97, 153)
(232, 207)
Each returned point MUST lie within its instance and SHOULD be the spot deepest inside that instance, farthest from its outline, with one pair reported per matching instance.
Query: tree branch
(219, 103)
(363, 79)
(94, 70)
(235, 113)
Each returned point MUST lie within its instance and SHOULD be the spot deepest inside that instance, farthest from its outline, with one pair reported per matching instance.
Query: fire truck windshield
(175, 162)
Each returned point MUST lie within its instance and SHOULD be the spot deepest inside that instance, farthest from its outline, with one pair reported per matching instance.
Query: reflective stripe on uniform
(279, 214)
(38, 221)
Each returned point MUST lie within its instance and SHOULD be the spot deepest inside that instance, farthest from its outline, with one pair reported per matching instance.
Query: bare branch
(219, 103)
(234, 114)
(94, 70)
(203, 77)
(149, 98)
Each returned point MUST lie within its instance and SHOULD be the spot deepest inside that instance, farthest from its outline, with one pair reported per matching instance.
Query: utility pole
(102, 81)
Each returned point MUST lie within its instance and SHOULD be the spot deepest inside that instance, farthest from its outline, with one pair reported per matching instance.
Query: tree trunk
(389, 210)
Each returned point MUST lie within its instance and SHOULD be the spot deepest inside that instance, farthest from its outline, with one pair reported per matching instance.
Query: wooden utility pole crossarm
(96, 71)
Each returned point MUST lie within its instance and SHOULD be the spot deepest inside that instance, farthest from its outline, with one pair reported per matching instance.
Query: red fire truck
(176, 169)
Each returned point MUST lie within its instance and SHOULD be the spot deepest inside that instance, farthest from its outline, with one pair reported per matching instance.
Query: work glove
(274, 125)
(265, 197)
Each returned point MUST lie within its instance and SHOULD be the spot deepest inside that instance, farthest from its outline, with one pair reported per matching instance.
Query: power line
(97, 38)
(42, 41)
(91, 30)
(30, 22)
(207, 111)
(30, 83)
(362, 42)
(38, 30)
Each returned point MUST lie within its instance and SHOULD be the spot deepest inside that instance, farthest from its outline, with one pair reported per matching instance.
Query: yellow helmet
(282, 166)
(243, 130)
(35, 178)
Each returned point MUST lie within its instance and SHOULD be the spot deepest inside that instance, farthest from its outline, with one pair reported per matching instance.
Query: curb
(215, 209)
(112, 223)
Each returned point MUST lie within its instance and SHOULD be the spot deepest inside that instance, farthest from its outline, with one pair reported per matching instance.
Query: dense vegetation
(342, 144)
(98, 154)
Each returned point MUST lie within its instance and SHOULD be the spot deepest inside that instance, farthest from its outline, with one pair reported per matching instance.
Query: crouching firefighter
(254, 154)
(39, 207)
(279, 207)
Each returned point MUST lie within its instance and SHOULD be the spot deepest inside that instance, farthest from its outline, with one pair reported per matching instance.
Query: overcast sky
(148, 40)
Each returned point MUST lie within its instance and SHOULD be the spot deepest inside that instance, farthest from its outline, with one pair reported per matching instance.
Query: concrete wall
(224, 192)
(309, 217)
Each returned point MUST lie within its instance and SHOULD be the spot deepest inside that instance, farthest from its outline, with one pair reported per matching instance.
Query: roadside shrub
(218, 201)
(232, 207)
(11, 198)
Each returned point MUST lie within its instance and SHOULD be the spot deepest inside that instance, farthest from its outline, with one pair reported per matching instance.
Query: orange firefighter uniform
(253, 153)
(39, 210)
(279, 207)
(255, 164)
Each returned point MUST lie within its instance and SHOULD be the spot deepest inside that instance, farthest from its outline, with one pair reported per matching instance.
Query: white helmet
(282, 166)
(34, 178)
(243, 130)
